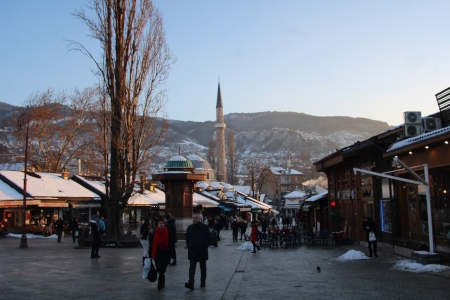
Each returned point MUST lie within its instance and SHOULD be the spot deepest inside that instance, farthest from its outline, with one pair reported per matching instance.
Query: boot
(143, 261)
(161, 281)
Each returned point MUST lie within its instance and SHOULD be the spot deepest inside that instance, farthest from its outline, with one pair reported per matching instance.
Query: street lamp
(23, 119)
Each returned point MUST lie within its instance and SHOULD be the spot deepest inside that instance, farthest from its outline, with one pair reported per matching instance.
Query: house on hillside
(281, 181)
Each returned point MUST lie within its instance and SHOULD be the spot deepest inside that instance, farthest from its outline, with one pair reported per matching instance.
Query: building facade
(280, 182)
(365, 180)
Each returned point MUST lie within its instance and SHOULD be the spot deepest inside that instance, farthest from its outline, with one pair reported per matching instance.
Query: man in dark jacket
(95, 227)
(172, 238)
(59, 228)
(370, 226)
(235, 229)
(74, 228)
(198, 239)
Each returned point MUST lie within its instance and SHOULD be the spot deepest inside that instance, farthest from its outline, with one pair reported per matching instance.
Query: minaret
(220, 140)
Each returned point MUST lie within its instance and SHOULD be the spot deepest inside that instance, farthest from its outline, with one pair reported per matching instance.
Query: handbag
(372, 236)
(152, 273)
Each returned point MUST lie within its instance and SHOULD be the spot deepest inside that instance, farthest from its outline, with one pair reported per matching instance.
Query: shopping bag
(372, 236)
(152, 273)
(146, 268)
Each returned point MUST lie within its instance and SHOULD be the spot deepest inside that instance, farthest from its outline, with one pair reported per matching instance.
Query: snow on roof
(245, 189)
(317, 197)
(418, 138)
(280, 170)
(8, 193)
(199, 199)
(244, 199)
(142, 199)
(210, 195)
(295, 194)
(49, 185)
(97, 185)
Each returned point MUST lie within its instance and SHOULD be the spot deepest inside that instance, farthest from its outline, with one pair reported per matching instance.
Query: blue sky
(371, 59)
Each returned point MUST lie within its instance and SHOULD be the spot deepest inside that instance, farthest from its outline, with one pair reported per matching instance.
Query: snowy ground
(32, 236)
(403, 265)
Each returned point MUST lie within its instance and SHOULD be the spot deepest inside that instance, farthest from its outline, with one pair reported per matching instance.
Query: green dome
(178, 162)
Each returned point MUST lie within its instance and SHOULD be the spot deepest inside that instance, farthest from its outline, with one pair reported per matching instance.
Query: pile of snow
(246, 246)
(32, 236)
(411, 266)
(352, 255)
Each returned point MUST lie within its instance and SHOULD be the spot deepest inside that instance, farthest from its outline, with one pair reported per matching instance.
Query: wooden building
(398, 208)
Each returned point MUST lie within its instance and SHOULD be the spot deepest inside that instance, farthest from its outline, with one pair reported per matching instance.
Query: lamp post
(23, 119)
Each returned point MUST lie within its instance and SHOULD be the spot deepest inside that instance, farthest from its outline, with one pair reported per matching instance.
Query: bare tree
(232, 161)
(135, 64)
(263, 178)
(255, 172)
(59, 129)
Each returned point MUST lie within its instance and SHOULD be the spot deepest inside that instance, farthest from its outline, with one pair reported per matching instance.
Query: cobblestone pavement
(51, 270)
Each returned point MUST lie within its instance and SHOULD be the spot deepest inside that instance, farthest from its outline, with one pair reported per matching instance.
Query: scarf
(160, 240)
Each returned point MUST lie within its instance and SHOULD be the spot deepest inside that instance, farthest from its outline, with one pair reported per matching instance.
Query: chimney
(79, 166)
(142, 183)
(65, 175)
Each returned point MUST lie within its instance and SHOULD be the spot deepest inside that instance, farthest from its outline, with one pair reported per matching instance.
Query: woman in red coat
(160, 251)
(254, 235)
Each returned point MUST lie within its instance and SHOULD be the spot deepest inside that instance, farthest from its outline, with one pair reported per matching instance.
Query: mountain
(275, 132)
(272, 135)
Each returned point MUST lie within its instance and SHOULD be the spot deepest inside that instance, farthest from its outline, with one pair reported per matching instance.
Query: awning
(225, 208)
(39, 203)
(53, 204)
(245, 209)
(85, 205)
(17, 203)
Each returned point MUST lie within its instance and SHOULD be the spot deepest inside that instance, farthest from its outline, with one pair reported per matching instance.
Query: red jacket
(254, 237)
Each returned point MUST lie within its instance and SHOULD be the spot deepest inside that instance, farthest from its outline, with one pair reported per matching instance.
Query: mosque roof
(198, 162)
(179, 161)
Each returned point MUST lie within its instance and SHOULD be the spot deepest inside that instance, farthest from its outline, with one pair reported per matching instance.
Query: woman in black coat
(173, 238)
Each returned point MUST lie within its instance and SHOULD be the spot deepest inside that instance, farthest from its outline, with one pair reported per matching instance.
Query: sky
(369, 59)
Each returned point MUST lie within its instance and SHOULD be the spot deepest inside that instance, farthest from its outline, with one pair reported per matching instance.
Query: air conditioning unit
(413, 129)
(412, 117)
(430, 124)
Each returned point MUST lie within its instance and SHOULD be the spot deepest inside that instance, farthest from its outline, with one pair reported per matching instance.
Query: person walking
(173, 238)
(235, 230)
(74, 228)
(243, 228)
(59, 228)
(198, 239)
(145, 231)
(94, 225)
(371, 235)
(160, 251)
(254, 236)
(218, 227)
